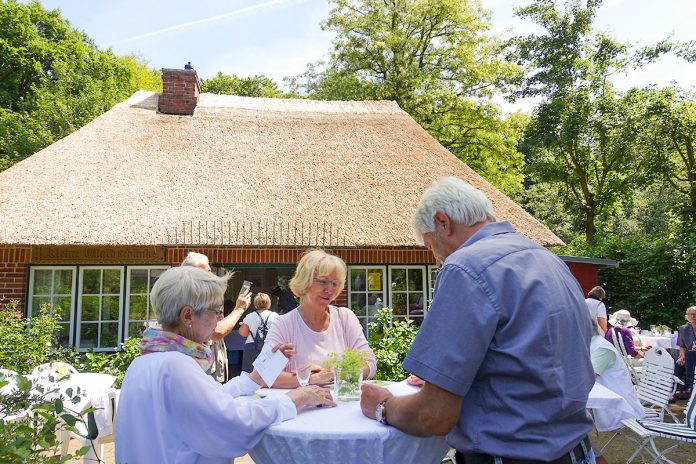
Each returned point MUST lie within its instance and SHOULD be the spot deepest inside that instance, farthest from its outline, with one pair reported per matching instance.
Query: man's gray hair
(461, 202)
(186, 286)
(195, 259)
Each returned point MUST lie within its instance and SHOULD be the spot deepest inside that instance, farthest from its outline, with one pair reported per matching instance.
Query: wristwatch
(381, 411)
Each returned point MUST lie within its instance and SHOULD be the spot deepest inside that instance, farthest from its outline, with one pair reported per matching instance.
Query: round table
(343, 435)
(663, 341)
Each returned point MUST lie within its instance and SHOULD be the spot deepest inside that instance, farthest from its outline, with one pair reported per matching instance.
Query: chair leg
(63, 437)
(95, 453)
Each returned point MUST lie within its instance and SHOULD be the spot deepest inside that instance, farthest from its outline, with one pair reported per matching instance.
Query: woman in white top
(255, 328)
(169, 410)
(598, 311)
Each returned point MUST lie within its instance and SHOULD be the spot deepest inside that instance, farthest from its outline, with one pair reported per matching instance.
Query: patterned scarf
(155, 340)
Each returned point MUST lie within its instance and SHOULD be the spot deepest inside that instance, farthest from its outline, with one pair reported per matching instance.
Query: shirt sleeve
(353, 332)
(681, 337)
(445, 339)
(601, 310)
(603, 359)
(212, 422)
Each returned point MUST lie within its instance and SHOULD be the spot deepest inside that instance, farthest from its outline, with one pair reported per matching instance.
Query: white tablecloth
(660, 340)
(614, 408)
(343, 435)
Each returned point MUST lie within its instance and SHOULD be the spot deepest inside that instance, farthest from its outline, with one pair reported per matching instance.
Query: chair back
(690, 411)
(657, 382)
(619, 345)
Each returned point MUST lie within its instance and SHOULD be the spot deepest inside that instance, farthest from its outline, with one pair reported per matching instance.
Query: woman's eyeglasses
(218, 310)
(327, 283)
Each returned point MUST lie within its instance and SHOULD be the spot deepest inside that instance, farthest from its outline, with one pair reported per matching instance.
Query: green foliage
(32, 438)
(349, 361)
(437, 61)
(53, 79)
(390, 340)
(257, 86)
(656, 279)
(25, 343)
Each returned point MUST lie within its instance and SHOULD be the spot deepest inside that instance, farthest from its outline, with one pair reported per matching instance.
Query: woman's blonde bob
(262, 301)
(315, 263)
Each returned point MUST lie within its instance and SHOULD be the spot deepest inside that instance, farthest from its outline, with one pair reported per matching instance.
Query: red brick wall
(180, 92)
(13, 273)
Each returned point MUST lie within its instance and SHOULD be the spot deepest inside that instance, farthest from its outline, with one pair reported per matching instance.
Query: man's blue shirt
(509, 330)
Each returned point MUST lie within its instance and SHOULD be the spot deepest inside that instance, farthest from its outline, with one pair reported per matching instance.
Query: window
(366, 292)
(407, 288)
(432, 275)
(54, 286)
(99, 306)
(139, 313)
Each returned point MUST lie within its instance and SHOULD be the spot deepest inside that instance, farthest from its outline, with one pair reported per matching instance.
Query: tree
(257, 86)
(436, 60)
(53, 79)
(583, 135)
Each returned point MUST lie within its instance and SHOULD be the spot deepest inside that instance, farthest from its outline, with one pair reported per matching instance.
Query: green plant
(349, 361)
(390, 340)
(26, 342)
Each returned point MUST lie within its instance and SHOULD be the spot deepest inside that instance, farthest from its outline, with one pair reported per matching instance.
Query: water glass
(303, 369)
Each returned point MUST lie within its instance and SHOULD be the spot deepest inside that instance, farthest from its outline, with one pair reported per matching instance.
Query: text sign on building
(94, 254)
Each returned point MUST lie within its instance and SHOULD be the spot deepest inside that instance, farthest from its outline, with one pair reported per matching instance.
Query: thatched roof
(353, 170)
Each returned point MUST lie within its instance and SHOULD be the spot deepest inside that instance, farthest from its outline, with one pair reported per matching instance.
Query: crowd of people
(505, 358)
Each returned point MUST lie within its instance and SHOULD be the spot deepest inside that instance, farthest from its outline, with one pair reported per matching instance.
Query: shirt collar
(494, 228)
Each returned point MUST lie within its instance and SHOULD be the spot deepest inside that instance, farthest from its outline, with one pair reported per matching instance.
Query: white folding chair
(619, 344)
(648, 430)
(658, 383)
(49, 375)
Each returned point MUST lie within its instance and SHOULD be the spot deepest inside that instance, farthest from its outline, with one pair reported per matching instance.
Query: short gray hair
(185, 286)
(461, 202)
(195, 259)
(597, 292)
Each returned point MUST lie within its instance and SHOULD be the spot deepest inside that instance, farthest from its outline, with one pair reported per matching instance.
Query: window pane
(42, 282)
(415, 304)
(154, 275)
(375, 280)
(36, 303)
(109, 335)
(415, 279)
(91, 281)
(63, 335)
(88, 336)
(138, 308)
(135, 329)
(399, 303)
(356, 303)
(110, 308)
(62, 306)
(90, 308)
(112, 281)
(138, 281)
(63, 282)
(398, 279)
(357, 277)
(374, 303)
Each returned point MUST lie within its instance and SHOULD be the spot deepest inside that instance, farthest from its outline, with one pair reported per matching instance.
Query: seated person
(170, 410)
(622, 324)
(316, 328)
(687, 349)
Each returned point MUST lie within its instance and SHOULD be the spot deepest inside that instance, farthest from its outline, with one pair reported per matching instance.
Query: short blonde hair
(314, 263)
(262, 301)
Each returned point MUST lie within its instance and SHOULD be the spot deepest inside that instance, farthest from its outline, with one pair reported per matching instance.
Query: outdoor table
(614, 408)
(343, 435)
(662, 341)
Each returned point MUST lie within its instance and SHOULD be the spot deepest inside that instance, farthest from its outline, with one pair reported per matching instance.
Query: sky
(279, 38)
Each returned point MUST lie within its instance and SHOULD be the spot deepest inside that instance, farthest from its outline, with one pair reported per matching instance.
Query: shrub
(25, 343)
(390, 340)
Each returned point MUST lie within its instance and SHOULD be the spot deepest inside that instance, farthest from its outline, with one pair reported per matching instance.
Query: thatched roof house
(251, 182)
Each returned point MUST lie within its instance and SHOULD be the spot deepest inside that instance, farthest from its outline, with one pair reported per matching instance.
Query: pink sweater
(344, 332)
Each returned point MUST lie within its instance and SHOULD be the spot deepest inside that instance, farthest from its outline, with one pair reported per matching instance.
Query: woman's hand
(243, 300)
(288, 349)
(321, 376)
(311, 395)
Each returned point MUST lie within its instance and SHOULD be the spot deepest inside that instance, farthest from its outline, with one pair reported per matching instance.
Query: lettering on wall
(92, 254)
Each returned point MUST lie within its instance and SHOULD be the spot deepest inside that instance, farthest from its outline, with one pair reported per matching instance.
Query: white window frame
(126, 307)
(30, 303)
(431, 284)
(78, 322)
(424, 290)
(384, 291)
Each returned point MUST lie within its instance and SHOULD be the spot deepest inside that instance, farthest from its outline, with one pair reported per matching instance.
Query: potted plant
(348, 372)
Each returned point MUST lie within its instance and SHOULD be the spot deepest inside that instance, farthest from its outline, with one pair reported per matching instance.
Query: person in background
(220, 369)
(595, 304)
(504, 351)
(316, 327)
(169, 410)
(622, 324)
(687, 349)
(255, 328)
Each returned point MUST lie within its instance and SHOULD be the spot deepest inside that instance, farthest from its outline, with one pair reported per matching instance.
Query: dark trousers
(689, 368)
(580, 452)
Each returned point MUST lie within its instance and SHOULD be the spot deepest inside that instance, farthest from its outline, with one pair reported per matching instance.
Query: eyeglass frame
(326, 283)
(218, 312)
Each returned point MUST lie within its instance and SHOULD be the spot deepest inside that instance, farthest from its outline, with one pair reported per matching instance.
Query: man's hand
(371, 396)
(414, 380)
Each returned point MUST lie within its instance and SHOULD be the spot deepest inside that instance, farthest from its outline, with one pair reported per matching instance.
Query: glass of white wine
(303, 369)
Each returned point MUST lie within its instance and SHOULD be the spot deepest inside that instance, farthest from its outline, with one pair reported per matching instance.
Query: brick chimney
(180, 91)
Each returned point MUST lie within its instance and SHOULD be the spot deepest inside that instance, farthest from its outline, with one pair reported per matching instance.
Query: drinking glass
(303, 369)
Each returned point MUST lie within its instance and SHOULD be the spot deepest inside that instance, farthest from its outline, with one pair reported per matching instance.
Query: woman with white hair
(169, 410)
(317, 328)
